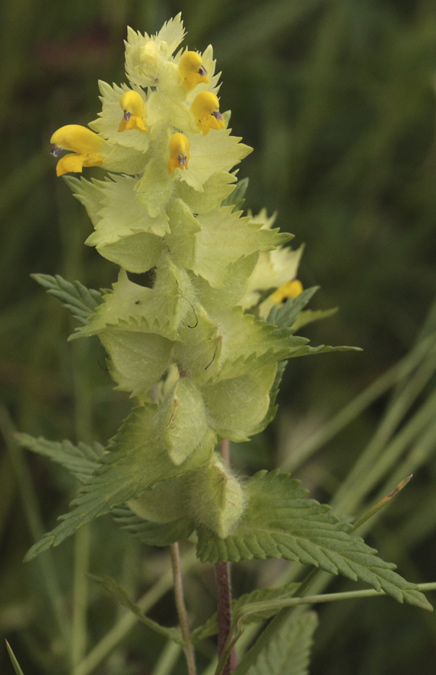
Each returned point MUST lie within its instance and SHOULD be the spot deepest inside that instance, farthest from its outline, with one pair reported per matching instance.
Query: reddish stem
(224, 590)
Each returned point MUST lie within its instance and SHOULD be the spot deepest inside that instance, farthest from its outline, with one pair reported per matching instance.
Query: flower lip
(217, 115)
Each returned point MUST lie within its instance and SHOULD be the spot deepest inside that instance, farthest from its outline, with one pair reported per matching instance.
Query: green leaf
(136, 253)
(263, 594)
(152, 534)
(280, 522)
(14, 661)
(80, 460)
(238, 405)
(185, 423)
(114, 210)
(237, 197)
(211, 154)
(309, 316)
(307, 350)
(284, 315)
(225, 237)
(111, 586)
(290, 317)
(216, 497)
(122, 160)
(78, 299)
(247, 343)
(288, 652)
(137, 459)
(216, 189)
(228, 344)
(154, 189)
(197, 346)
(272, 408)
(233, 288)
(137, 360)
(160, 310)
(182, 240)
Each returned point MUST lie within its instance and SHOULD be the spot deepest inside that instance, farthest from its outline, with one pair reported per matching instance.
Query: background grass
(338, 99)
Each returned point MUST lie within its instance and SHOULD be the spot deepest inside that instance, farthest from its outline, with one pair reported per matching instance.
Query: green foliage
(237, 197)
(289, 652)
(279, 522)
(153, 534)
(262, 594)
(16, 665)
(75, 297)
(119, 594)
(136, 462)
(80, 460)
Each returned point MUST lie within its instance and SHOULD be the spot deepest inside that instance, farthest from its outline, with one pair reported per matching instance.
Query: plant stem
(323, 598)
(181, 608)
(225, 451)
(224, 597)
(118, 632)
(224, 590)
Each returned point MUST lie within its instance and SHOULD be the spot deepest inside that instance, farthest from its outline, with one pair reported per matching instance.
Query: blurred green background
(337, 97)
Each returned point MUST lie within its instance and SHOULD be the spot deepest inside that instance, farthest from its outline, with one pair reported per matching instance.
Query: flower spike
(191, 70)
(206, 110)
(133, 106)
(179, 152)
(87, 148)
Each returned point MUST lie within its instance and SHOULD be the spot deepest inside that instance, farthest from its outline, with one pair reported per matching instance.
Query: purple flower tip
(55, 150)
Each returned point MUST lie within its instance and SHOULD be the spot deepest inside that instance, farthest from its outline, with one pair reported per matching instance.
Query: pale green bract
(202, 346)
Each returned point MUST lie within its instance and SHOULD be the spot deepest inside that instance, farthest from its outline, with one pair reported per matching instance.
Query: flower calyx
(206, 110)
(87, 148)
(133, 107)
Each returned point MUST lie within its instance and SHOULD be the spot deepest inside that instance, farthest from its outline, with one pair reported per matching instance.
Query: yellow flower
(179, 152)
(87, 148)
(191, 70)
(133, 106)
(291, 289)
(206, 110)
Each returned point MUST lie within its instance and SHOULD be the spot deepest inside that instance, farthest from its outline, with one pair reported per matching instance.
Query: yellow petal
(87, 148)
(291, 289)
(191, 70)
(133, 123)
(78, 139)
(133, 106)
(73, 163)
(179, 152)
(206, 110)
